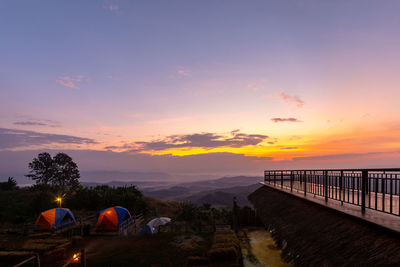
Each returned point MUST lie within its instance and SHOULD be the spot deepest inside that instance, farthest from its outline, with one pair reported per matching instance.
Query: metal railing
(35, 259)
(132, 222)
(377, 189)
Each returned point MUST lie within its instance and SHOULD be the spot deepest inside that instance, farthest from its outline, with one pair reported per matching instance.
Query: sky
(227, 87)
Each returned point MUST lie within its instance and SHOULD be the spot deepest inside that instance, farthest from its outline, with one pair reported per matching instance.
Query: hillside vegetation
(23, 205)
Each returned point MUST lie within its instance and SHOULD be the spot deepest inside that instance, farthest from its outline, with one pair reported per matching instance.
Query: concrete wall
(311, 235)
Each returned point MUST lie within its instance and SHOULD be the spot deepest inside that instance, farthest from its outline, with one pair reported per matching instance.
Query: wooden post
(37, 260)
(81, 225)
(235, 215)
(83, 257)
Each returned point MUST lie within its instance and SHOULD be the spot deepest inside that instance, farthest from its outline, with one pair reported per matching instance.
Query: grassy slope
(163, 208)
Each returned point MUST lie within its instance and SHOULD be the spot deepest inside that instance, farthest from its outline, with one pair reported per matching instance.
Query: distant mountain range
(101, 176)
(223, 198)
(121, 177)
(198, 189)
(217, 192)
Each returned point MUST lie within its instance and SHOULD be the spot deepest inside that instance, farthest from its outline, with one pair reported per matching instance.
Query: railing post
(291, 181)
(376, 191)
(274, 177)
(363, 189)
(301, 181)
(305, 183)
(341, 185)
(326, 185)
(383, 191)
(281, 179)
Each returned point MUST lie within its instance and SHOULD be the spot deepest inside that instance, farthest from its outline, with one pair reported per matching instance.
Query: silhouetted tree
(11, 184)
(60, 171)
(42, 170)
(66, 173)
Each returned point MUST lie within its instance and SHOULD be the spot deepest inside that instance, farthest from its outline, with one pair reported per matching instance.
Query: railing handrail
(128, 222)
(34, 257)
(358, 169)
(379, 188)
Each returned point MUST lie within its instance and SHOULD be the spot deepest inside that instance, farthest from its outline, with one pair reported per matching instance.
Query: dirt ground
(164, 249)
(258, 249)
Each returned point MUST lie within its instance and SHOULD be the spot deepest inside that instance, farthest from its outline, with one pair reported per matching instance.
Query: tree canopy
(60, 171)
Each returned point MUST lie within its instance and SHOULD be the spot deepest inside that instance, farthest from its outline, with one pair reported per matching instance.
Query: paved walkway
(389, 221)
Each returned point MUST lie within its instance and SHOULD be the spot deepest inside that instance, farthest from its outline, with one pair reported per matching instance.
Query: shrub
(223, 254)
(196, 261)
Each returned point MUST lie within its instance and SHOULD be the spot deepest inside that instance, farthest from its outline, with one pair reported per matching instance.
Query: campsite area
(57, 221)
(134, 250)
(110, 236)
(164, 249)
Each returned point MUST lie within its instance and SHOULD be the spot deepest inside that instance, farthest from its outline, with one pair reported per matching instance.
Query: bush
(100, 197)
(28, 203)
(225, 247)
(187, 212)
(196, 261)
(223, 254)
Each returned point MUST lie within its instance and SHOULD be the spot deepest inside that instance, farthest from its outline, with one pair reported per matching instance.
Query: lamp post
(59, 200)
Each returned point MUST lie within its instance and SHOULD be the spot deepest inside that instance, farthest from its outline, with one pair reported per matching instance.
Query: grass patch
(225, 248)
(143, 250)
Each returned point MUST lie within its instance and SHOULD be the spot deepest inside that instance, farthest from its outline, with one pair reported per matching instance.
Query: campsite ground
(163, 249)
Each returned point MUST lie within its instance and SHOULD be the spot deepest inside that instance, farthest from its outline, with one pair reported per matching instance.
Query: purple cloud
(11, 138)
(291, 99)
(37, 122)
(70, 82)
(285, 120)
(203, 140)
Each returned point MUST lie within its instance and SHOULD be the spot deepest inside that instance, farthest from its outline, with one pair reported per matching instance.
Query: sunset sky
(201, 86)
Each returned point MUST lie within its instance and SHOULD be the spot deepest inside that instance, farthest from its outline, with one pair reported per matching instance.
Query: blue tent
(55, 219)
(111, 218)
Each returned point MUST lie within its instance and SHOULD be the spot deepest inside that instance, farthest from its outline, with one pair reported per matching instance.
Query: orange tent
(111, 218)
(54, 219)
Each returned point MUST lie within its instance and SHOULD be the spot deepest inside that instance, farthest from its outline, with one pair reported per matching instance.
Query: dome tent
(111, 218)
(54, 219)
(152, 226)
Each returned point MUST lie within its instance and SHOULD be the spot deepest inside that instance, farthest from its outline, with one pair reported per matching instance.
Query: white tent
(152, 226)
